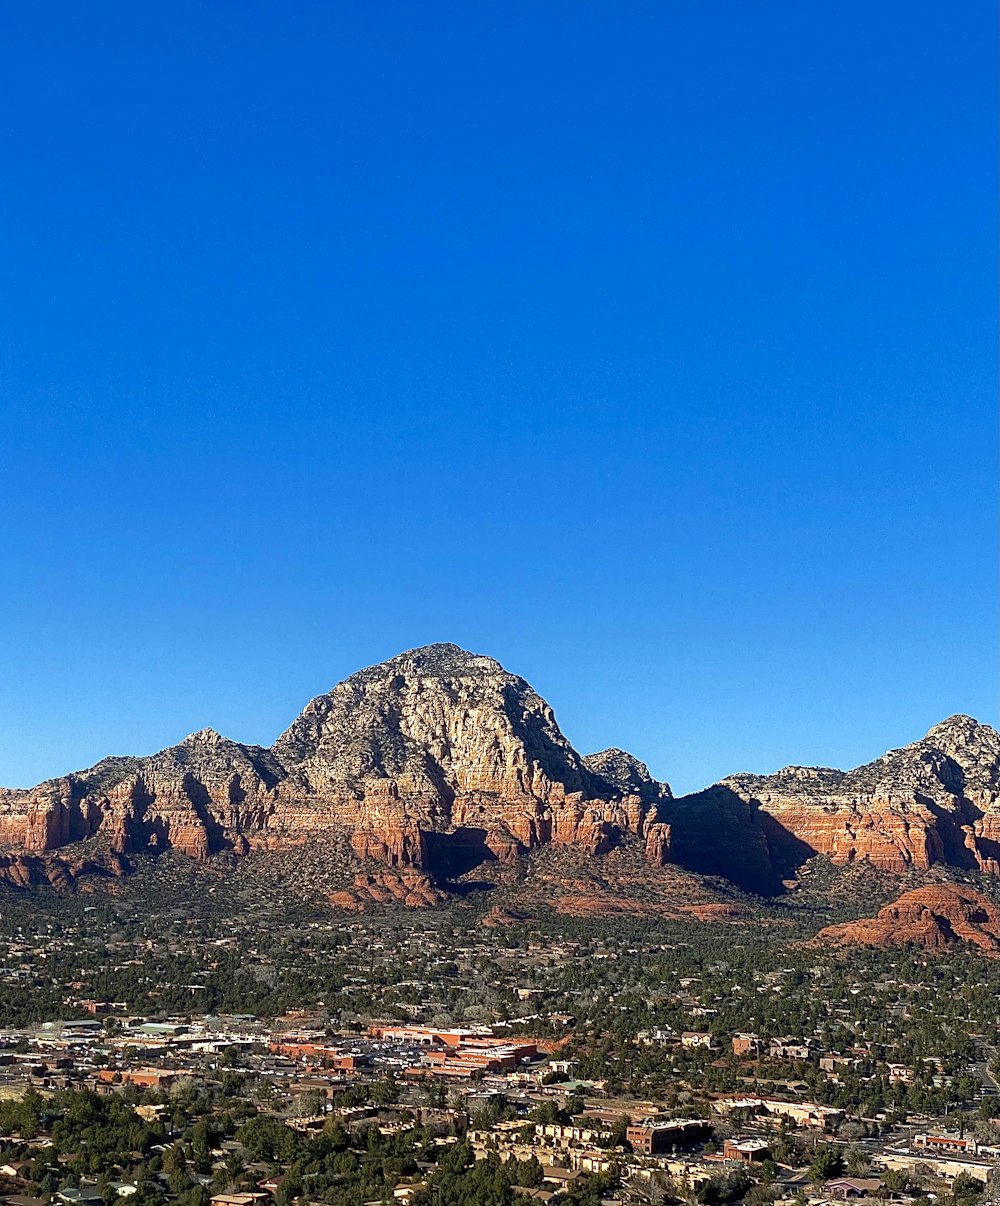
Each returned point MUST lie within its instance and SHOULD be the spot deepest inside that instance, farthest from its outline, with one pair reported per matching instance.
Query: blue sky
(649, 348)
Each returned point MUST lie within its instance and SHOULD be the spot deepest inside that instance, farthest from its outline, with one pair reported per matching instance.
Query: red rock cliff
(935, 801)
(935, 917)
(438, 759)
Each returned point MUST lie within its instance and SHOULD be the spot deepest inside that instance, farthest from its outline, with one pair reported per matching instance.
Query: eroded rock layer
(442, 762)
(936, 917)
(438, 759)
(935, 801)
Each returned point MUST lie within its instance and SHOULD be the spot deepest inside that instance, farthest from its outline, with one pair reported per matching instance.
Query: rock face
(440, 761)
(936, 917)
(624, 774)
(935, 801)
(408, 887)
(33, 870)
(188, 798)
(437, 759)
(717, 832)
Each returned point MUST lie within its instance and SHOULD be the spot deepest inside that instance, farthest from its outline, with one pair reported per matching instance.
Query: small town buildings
(746, 1045)
(749, 1151)
(85, 1195)
(853, 1187)
(662, 1036)
(563, 1136)
(965, 1145)
(654, 1137)
(790, 1048)
(834, 1063)
(948, 1167)
(802, 1113)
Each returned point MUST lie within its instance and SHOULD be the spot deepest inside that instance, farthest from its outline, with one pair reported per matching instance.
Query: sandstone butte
(439, 761)
(936, 917)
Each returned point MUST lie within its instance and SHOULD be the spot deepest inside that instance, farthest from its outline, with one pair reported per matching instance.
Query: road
(982, 1069)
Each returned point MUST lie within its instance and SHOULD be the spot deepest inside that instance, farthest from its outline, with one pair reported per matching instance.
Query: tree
(291, 1187)
(760, 1195)
(858, 1162)
(827, 1162)
(197, 1195)
(965, 1189)
(725, 1188)
(268, 1139)
(529, 1173)
(178, 1182)
(896, 1181)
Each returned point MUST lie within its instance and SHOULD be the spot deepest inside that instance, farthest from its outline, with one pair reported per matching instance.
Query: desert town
(498, 696)
(512, 1098)
(587, 1064)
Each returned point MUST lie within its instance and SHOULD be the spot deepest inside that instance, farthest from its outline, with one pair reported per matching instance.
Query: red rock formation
(567, 880)
(500, 918)
(441, 760)
(713, 911)
(935, 801)
(436, 760)
(410, 888)
(22, 870)
(936, 917)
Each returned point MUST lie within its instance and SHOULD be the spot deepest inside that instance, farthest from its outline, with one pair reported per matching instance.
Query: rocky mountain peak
(203, 737)
(438, 718)
(626, 774)
(452, 761)
(441, 760)
(936, 800)
(958, 725)
(966, 740)
(443, 660)
(960, 756)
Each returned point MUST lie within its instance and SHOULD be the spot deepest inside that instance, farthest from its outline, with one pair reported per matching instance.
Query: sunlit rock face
(441, 761)
(936, 917)
(437, 759)
(935, 801)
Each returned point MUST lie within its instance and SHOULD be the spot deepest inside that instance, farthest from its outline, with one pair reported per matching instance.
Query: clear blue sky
(647, 347)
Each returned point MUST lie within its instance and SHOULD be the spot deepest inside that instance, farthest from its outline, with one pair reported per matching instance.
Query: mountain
(934, 801)
(440, 763)
(437, 759)
(935, 917)
(620, 772)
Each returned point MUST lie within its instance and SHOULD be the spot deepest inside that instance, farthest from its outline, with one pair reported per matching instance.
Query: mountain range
(439, 763)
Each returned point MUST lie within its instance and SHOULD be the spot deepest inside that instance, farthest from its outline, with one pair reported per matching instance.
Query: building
(427, 1036)
(654, 1138)
(562, 1136)
(144, 1078)
(750, 1151)
(949, 1166)
(790, 1048)
(746, 1044)
(948, 1143)
(590, 1160)
(853, 1187)
(802, 1113)
(833, 1063)
(660, 1037)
